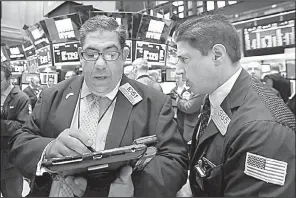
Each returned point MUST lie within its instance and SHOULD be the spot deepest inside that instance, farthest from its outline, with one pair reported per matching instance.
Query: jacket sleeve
(267, 139)
(166, 173)
(27, 143)
(10, 126)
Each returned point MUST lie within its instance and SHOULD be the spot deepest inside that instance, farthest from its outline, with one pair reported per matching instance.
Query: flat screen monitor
(63, 29)
(153, 29)
(66, 53)
(16, 52)
(18, 65)
(26, 77)
(154, 53)
(29, 49)
(122, 18)
(37, 34)
(269, 39)
(129, 45)
(170, 75)
(44, 56)
(171, 58)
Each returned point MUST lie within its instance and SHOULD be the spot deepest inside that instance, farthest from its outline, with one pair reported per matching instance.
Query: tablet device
(106, 160)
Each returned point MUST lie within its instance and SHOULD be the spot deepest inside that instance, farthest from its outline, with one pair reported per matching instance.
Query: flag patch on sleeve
(266, 169)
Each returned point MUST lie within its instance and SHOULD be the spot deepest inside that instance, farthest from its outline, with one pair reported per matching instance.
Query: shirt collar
(217, 97)
(8, 90)
(85, 91)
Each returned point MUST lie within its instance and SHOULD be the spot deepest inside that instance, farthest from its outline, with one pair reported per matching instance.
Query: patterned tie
(88, 124)
(204, 117)
(89, 119)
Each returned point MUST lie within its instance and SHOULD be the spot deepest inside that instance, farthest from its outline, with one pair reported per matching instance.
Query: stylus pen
(91, 149)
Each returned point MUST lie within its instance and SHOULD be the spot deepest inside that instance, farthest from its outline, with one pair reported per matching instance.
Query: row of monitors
(256, 40)
(67, 54)
(66, 28)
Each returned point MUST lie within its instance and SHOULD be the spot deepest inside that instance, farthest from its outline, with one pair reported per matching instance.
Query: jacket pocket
(214, 182)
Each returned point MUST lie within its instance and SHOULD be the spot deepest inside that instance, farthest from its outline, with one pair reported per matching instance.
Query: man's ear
(219, 53)
(125, 53)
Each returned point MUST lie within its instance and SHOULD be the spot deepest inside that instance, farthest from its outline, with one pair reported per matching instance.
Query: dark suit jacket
(261, 124)
(31, 93)
(163, 176)
(14, 114)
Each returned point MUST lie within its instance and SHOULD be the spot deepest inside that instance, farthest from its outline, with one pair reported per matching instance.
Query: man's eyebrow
(107, 48)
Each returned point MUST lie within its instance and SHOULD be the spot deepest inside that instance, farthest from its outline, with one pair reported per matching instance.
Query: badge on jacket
(221, 119)
(266, 169)
(130, 93)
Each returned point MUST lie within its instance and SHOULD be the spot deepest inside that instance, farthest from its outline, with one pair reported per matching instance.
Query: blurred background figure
(141, 74)
(15, 109)
(281, 84)
(292, 104)
(50, 82)
(33, 90)
(254, 69)
(128, 71)
(70, 74)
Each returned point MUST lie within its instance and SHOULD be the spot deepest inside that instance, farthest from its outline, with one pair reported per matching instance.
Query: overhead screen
(66, 53)
(63, 28)
(269, 39)
(37, 34)
(152, 52)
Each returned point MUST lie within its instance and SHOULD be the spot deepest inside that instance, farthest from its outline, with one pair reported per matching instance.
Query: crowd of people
(220, 131)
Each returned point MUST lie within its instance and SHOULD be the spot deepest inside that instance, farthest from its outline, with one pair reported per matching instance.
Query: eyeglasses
(107, 56)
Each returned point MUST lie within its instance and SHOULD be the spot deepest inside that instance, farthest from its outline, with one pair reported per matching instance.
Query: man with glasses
(15, 106)
(102, 109)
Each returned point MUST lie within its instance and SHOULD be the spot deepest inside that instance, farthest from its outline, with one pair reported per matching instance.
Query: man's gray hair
(141, 64)
(103, 23)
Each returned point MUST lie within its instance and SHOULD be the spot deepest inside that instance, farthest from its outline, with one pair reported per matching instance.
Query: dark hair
(103, 23)
(204, 32)
(6, 68)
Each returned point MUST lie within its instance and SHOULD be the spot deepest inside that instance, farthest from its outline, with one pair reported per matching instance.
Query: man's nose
(100, 63)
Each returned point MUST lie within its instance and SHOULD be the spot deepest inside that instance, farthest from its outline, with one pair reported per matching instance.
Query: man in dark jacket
(33, 90)
(15, 107)
(244, 142)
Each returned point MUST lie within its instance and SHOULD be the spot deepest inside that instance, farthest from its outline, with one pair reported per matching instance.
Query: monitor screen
(170, 75)
(26, 77)
(37, 35)
(152, 52)
(66, 53)
(29, 49)
(18, 65)
(16, 52)
(153, 29)
(44, 56)
(269, 39)
(171, 58)
(122, 18)
(63, 29)
(129, 45)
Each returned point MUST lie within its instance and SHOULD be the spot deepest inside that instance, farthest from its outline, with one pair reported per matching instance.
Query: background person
(245, 134)
(33, 90)
(57, 119)
(70, 74)
(15, 108)
(141, 73)
(50, 82)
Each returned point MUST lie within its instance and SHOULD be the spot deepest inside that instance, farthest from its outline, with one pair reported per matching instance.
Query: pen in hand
(91, 149)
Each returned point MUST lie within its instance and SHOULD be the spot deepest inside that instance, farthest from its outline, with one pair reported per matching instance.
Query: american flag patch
(266, 169)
